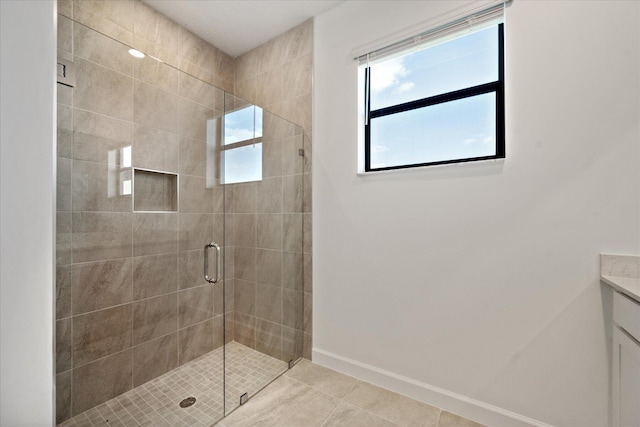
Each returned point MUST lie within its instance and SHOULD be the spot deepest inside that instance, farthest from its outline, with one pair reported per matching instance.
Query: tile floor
(156, 403)
(311, 395)
(307, 395)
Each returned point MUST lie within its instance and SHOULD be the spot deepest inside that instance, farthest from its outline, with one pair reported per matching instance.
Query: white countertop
(622, 273)
(626, 285)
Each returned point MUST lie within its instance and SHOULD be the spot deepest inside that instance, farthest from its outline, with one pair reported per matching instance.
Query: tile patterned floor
(306, 396)
(156, 403)
(310, 395)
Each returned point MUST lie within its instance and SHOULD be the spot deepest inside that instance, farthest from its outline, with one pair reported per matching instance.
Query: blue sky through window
(244, 163)
(463, 62)
(243, 124)
(460, 129)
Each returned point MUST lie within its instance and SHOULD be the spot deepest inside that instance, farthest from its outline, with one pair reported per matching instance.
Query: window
(242, 145)
(119, 172)
(436, 104)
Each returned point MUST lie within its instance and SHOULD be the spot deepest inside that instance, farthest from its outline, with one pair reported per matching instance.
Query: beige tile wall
(136, 24)
(131, 300)
(264, 229)
(278, 77)
(147, 303)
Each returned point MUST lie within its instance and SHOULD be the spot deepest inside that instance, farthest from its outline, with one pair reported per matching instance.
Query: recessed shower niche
(154, 191)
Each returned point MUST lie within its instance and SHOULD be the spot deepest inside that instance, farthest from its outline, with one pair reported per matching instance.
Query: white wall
(482, 279)
(27, 71)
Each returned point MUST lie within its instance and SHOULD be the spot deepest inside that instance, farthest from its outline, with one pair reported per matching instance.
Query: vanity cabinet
(626, 362)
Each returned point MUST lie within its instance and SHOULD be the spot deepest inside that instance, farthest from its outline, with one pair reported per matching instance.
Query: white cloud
(379, 149)
(479, 139)
(237, 134)
(405, 87)
(387, 74)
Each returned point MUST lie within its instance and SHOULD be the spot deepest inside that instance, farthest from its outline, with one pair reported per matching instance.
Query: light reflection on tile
(98, 138)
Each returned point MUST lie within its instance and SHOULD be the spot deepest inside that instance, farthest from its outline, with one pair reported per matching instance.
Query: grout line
(326, 420)
(86, 417)
(398, 394)
(157, 397)
(127, 410)
(73, 96)
(113, 411)
(132, 208)
(353, 387)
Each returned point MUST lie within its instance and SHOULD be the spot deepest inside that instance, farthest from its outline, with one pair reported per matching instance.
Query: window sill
(488, 165)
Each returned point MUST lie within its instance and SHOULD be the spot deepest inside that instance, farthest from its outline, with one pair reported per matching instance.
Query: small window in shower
(243, 164)
(242, 148)
(242, 124)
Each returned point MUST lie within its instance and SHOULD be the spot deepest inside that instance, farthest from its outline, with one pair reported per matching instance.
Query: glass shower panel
(263, 211)
(179, 241)
(140, 331)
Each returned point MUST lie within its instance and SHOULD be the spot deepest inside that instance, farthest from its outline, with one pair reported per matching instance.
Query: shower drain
(187, 402)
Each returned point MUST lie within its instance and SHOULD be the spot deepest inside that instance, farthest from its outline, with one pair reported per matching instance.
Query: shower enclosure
(179, 241)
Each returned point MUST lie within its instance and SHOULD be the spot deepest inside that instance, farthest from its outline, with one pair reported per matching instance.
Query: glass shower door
(179, 232)
(263, 179)
(140, 331)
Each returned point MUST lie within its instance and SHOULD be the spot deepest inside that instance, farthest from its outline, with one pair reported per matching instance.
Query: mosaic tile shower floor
(156, 403)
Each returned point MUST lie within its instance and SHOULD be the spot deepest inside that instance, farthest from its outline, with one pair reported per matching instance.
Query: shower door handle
(206, 263)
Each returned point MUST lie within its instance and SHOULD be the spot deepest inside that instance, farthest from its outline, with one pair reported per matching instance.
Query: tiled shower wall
(100, 326)
(136, 24)
(265, 225)
(131, 301)
(278, 76)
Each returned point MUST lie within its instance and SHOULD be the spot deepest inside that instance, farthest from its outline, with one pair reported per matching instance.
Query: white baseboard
(472, 409)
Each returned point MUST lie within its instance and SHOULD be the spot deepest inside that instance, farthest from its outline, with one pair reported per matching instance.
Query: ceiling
(237, 26)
